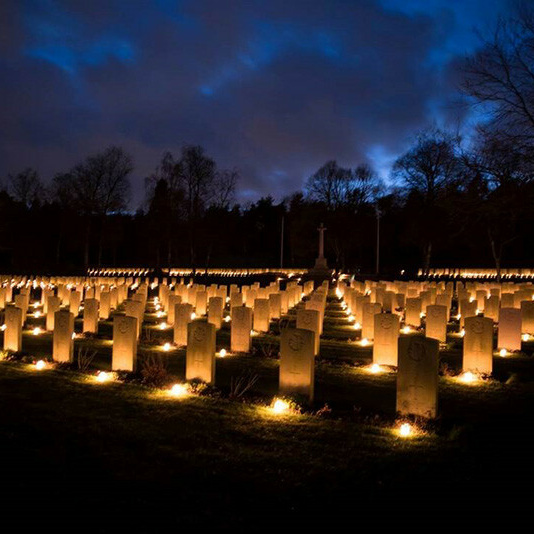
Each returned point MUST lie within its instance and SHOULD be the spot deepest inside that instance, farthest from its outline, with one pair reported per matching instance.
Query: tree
(331, 185)
(501, 76)
(507, 193)
(100, 186)
(25, 187)
(428, 169)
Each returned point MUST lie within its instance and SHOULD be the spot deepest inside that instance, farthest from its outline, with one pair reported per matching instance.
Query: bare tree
(428, 168)
(331, 185)
(100, 187)
(224, 188)
(25, 186)
(501, 76)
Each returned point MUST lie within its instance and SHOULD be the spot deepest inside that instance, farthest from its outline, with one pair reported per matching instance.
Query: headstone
(200, 355)
(124, 356)
(310, 320)
(63, 344)
(90, 316)
(215, 311)
(478, 345)
(13, 331)
(509, 333)
(527, 316)
(105, 305)
(297, 362)
(413, 312)
(417, 376)
(182, 317)
(370, 309)
(54, 304)
(386, 335)
(261, 315)
(275, 305)
(436, 322)
(240, 329)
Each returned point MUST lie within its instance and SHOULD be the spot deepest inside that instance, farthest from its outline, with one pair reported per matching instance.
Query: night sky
(274, 88)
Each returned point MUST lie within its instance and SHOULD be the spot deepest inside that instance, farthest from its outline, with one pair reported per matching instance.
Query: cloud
(272, 88)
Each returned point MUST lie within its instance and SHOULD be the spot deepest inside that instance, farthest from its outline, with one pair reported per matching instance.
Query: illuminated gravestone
(507, 300)
(317, 304)
(527, 316)
(467, 309)
(284, 302)
(491, 308)
(2, 297)
(478, 345)
(13, 331)
(275, 305)
(182, 317)
(261, 315)
(413, 312)
(389, 301)
(386, 335)
(74, 302)
(215, 311)
(200, 355)
(509, 330)
(297, 362)
(54, 304)
(444, 299)
(240, 329)
(21, 302)
(63, 344)
(357, 307)
(236, 299)
(135, 308)
(417, 376)
(201, 303)
(310, 320)
(172, 300)
(436, 322)
(480, 298)
(124, 355)
(250, 296)
(370, 309)
(105, 305)
(90, 316)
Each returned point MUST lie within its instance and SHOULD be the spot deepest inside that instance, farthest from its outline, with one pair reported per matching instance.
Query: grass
(80, 456)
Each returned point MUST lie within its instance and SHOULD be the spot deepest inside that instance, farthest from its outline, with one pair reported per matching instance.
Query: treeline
(455, 202)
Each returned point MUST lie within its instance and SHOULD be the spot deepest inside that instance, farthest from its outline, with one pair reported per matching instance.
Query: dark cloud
(273, 88)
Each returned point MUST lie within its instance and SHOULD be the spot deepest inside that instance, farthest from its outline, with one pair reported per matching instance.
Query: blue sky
(272, 88)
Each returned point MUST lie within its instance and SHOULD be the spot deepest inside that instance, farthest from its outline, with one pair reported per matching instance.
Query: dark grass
(78, 456)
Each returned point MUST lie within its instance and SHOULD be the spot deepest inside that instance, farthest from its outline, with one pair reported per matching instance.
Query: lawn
(81, 456)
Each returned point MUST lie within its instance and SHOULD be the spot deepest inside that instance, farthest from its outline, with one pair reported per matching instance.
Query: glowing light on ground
(40, 365)
(357, 326)
(103, 377)
(365, 342)
(406, 330)
(280, 406)
(525, 337)
(179, 390)
(193, 316)
(468, 378)
(462, 332)
(375, 369)
(503, 353)
(37, 314)
(222, 353)
(36, 331)
(405, 430)
(162, 326)
(167, 347)
(3, 327)
(351, 318)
